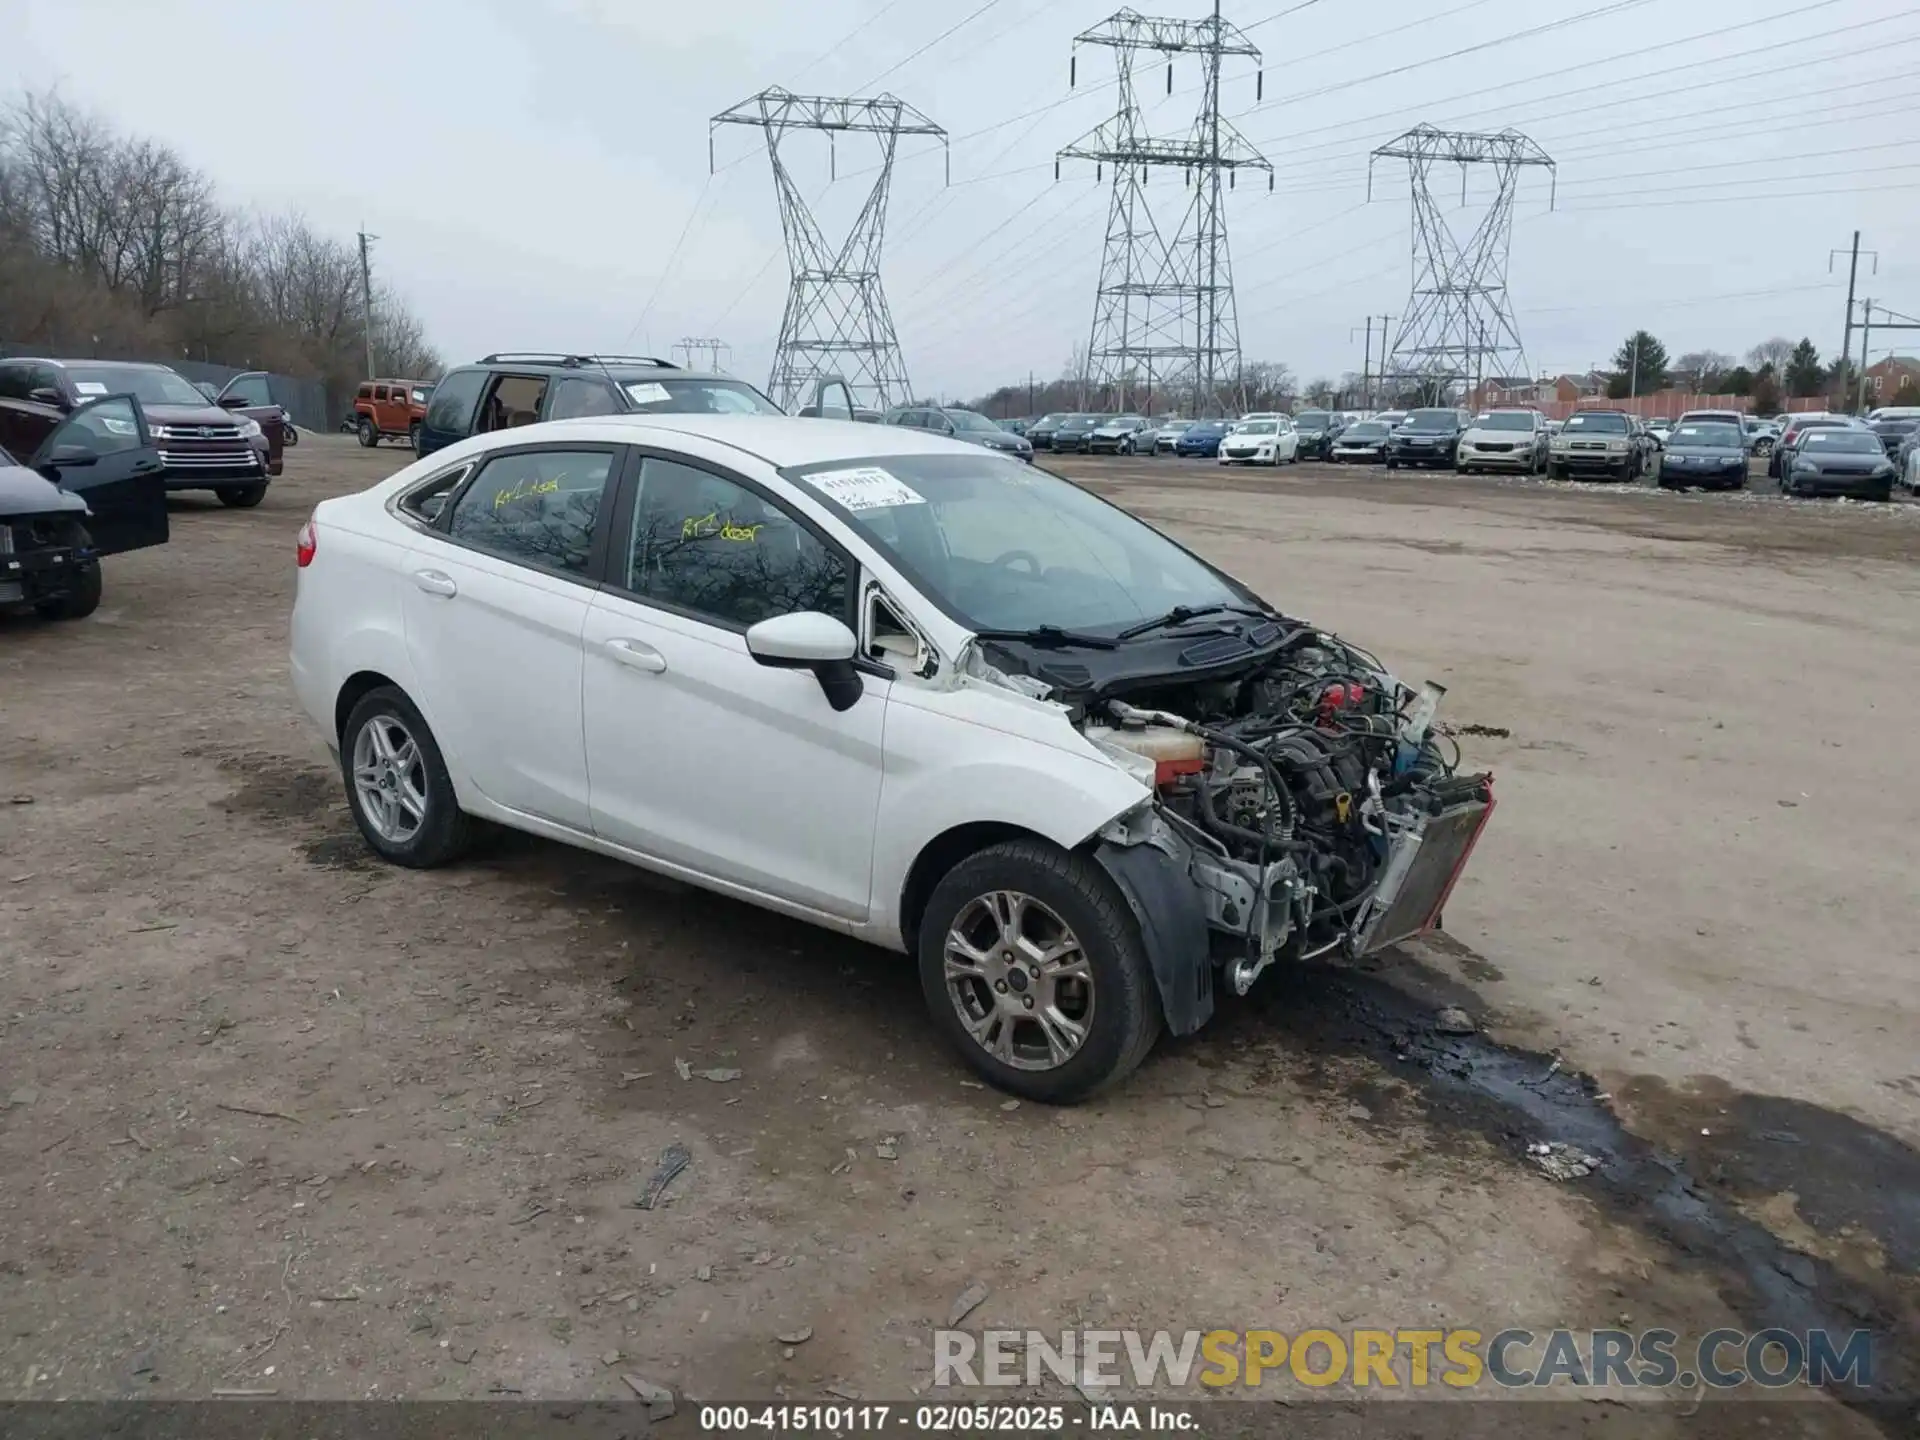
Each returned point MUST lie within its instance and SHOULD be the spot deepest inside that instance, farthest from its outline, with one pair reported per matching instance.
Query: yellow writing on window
(523, 490)
(711, 527)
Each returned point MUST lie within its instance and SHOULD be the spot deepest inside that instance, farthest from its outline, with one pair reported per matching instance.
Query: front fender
(945, 770)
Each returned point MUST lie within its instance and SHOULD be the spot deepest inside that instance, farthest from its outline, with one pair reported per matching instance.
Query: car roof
(780, 440)
(89, 364)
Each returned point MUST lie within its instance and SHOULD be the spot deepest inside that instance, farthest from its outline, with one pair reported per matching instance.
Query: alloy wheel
(1019, 980)
(390, 778)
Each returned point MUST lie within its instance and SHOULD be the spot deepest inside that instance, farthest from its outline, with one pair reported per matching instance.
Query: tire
(413, 436)
(79, 602)
(1392, 464)
(1884, 495)
(1116, 998)
(1556, 472)
(289, 435)
(242, 497)
(440, 835)
(369, 434)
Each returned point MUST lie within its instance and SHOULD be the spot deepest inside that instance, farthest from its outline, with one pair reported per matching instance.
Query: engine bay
(1319, 804)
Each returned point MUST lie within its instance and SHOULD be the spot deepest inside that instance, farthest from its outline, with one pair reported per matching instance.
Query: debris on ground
(1009, 1105)
(796, 1337)
(627, 1077)
(889, 1148)
(1490, 732)
(1561, 1161)
(844, 1392)
(658, 1398)
(718, 1077)
(705, 1272)
(841, 1167)
(681, 1068)
(1454, 1021)
(1357, 1111)
(966, 1302)
(675, 1158)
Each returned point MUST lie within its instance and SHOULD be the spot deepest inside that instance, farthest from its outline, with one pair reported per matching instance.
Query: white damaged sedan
(1261, 442)
(891, 684)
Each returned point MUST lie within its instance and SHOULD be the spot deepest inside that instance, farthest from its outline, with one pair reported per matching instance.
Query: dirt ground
(279, 1117)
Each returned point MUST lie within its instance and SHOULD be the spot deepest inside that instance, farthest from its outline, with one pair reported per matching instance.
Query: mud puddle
(1855, 1186)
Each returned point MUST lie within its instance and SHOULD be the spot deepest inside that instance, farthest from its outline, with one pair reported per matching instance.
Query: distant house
(1590, 385)
(1885, 377)
(1504, 390)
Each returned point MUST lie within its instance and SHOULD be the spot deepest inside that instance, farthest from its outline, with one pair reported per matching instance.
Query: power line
(898, 64)
(864, 24)
(672, 257)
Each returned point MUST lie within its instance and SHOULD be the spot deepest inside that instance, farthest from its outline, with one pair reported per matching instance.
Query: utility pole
(366, 295)
(1030, 393)
(1853, 274)
(1633, 370)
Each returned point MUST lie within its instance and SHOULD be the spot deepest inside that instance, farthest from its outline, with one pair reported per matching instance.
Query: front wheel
(397, 783)
(289, 434)
(80, 601)
(413, 436)
(1392, 464)
(1032, 965)
(242, 497)
(369, 433)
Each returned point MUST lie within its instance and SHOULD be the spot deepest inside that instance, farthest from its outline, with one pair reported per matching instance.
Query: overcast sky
(532, 167)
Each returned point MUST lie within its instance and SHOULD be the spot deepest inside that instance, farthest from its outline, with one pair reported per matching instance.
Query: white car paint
(604, 722)
(1268, 440)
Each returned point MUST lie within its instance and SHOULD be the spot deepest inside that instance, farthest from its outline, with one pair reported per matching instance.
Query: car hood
(1004, 440)
(28, 492)
(1842, 462)
(187, 415)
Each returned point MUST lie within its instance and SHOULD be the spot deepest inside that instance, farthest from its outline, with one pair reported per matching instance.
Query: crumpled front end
(1310, 805)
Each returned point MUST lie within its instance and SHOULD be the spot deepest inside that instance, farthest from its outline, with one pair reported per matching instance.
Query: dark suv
(202, 446)
(511, 389)
(1426, 437)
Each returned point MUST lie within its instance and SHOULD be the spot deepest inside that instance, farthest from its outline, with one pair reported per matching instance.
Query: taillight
(305, 544)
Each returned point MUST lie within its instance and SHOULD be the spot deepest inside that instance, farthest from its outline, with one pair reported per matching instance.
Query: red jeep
(390, 409)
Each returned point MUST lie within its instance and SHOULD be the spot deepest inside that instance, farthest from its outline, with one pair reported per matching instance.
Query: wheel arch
(353, 690)
(940, 855)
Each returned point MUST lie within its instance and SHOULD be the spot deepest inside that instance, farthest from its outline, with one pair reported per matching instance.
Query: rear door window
(514, 400)
(536, 507)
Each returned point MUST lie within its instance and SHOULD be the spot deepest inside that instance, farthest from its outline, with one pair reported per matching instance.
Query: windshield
(968, 420)
(1847, 442)
(1176, 427)
(1257, 427)
(148, 384)
(1365, 430)
(1505, 420)
(1313, 420)
(698, 397)
(1598, 424)
(1001, 546)
(6, 459)
(1208, 427)
(1085, 422)
(1433, 420)
(1708, 437)
(1896, 427)
(1048, 420)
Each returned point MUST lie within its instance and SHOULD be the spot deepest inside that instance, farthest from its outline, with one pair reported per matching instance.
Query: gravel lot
(277, 1116)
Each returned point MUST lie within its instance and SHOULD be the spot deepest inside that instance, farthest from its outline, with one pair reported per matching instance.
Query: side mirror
(809, 640)
(47, 395)
(233, 402)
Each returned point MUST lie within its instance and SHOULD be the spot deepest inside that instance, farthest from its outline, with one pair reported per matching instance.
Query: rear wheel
(81, 599)
(397, 783)
(242, 497)
(369, 433)
(1032, 965)
(413, 436)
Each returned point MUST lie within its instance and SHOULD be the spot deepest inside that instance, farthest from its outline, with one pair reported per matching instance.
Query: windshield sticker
(866, 488)
(89, 387)
(648, 392)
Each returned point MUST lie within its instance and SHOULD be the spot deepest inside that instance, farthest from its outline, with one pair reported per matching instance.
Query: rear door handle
(435, 582)
(636, 653)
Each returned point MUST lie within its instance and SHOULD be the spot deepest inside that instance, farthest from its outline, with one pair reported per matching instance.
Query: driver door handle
(637, 654)
(435, 582)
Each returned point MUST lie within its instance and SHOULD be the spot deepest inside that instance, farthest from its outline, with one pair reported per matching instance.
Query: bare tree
(1702, 371)
(115, 245)
(1775, 352)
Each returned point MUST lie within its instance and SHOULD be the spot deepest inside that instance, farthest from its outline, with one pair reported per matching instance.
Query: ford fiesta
(892, 684)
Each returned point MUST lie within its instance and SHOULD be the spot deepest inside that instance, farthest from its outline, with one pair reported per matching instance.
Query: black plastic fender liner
(1173, 928)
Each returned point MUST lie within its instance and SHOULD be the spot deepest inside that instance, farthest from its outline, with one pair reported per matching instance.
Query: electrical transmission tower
(836, 321)
(1457, 327)
(711, 348)
(1164, 314)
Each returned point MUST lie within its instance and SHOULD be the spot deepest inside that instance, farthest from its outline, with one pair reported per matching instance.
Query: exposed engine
(1320, 803)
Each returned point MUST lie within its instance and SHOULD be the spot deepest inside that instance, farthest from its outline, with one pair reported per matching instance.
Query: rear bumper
(1859, 486)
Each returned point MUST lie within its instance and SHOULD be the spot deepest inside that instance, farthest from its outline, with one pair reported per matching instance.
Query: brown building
(1885, 379)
